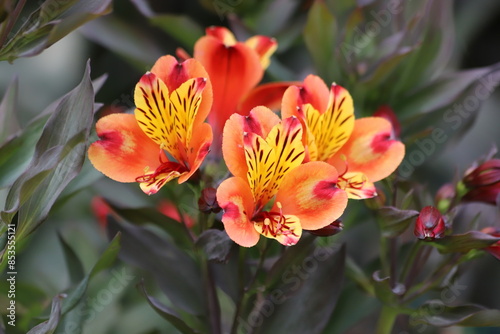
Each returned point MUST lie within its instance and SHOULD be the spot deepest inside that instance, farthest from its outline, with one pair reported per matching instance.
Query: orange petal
(259, 121)
(269, 95)
(222, 34)
(174, 74)
(123, 150)
(233, 70)
(264, 46)
(310, 192)
(371, 149)
(313, 91)
(199, 148)
(235, 198)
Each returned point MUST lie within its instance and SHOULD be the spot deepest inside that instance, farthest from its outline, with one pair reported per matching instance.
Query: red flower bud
(483, 182)
(486, 174)
(386, 112)
(208, 201)
(430, 224)
(332, 229)
(495, 248)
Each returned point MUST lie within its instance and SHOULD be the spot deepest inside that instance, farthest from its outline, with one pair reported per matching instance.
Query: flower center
(284, 228)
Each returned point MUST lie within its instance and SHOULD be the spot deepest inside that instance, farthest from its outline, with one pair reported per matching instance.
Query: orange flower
(172, 101)
(362, 150)
(265, 156)
(235, 68)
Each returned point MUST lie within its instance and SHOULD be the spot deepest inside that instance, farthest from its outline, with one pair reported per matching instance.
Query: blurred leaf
(53, 20)
(306, 311)
(292, 256)
(176, 272)
(8, 110)
(383, 68)
(352, 307)
(49, 326)
(216, 245)
(182, 28)
(436, 313)
(462, 243)
(166, 312)
(59, 155)
(16, 153)
(142, 216)
(73, 263)
(143, 7)
(393, 221)
(434, 38)
(274, 15)
(121, 37)
(320, 38)
(107, 258)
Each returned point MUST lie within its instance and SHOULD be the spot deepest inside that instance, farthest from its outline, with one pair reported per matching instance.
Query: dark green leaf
(436, 313)
(182, 28)
(73, 263)
(59, 155)
(320, 37)
(462, 243)
(176, 272)
(123, 38)
(216, 244)
(141, 216)
(49, 23)
(49, 326)
(8, 110)
(107, 258)
(393, 221)
(166, 312)
(306, 311)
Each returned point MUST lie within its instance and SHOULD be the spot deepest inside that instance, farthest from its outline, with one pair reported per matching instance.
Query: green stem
(241, 295)
(212, 299)
(386, 320)
(384, 256)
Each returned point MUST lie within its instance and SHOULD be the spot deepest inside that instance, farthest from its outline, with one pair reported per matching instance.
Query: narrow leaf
(462, 243)
(8, 108)
(166, 312)
(393, 221)
(49, 326)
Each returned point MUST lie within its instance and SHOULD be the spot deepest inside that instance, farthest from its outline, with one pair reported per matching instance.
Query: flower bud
(169, 209)
(483, 182)
(329, 230)
(430, 224)
(208, 201)
(101, 210)
(444, 196)
(495, 248)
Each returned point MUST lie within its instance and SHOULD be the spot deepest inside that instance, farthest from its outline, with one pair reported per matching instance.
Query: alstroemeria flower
(265, 156)
(166, 138)
(430, 224)
(363, 151)
(235, 68)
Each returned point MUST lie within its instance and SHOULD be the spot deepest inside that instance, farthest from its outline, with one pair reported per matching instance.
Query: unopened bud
(430, 224)
(208, 201)
(329, 230)
(495, 248)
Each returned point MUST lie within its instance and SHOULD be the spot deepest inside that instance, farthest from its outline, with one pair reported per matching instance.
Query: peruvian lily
(265, 156)
(235, 68)
(166, 138)
(363, 151)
